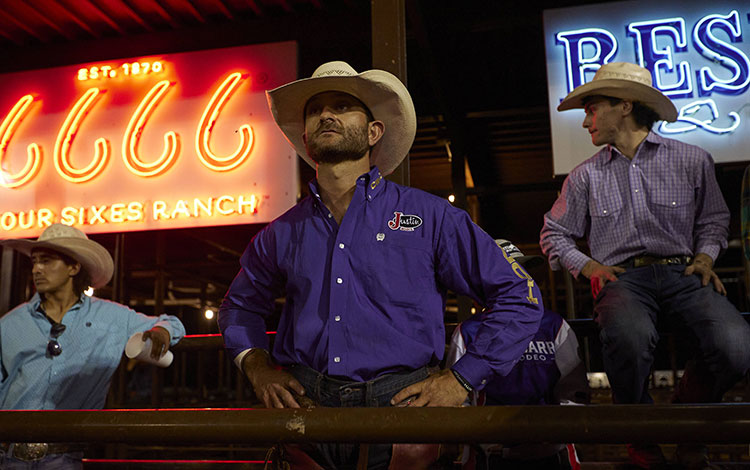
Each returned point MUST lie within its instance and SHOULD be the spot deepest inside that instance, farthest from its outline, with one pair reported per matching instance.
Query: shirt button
(339, 280)
(604, 211)
(484, 382)
(369, 197)
(674, 203)
(633, 165)
(337, 318)
(336, 359)
(637, 190)
(330, 215)
(341, 245)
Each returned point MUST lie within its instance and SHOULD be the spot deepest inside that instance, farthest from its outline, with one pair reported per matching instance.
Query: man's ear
(304, 138)
(74, 269)
(375, 131)
(627, 107)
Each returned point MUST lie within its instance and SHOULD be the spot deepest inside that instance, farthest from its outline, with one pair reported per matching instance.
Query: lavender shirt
(368, 297)
(664, 202)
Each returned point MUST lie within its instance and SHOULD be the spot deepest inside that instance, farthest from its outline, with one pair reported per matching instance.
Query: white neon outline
(705, 72)
(667, 63)
(693, 124)
(585, 64)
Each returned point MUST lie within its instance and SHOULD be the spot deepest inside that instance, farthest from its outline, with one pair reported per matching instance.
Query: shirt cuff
(711, 250)
(475, 370)
(174, 336)
(239, 357)
(575, 261)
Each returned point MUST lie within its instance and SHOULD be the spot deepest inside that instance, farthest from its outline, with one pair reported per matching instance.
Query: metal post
(388, 19)
(6, 279)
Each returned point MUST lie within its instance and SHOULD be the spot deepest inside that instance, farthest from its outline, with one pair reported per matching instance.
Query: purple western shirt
(368, 297)
(664, 202)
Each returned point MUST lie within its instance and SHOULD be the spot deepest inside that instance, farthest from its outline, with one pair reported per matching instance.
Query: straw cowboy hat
(625, 81)
(74, 243)
(384, 95)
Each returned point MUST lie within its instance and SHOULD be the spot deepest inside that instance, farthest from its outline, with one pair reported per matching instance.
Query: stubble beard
(351, 145)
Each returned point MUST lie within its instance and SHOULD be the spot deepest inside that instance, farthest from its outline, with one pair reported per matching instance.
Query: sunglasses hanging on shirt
(53, 347)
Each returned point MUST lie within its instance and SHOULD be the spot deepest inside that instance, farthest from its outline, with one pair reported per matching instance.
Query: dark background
(476, 71)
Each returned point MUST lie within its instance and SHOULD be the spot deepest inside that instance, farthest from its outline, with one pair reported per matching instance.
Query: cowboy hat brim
(623, 89)
(93, 257)
(384, 95)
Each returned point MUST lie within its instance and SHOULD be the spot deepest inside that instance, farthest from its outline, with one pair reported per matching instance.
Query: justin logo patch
(404, 222)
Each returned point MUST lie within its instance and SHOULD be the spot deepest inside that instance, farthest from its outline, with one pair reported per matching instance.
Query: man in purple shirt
(655, 221)
(365, 264)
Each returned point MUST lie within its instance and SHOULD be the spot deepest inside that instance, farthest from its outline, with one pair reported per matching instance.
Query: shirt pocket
(605, 208)
(674, 210)
(401, 268)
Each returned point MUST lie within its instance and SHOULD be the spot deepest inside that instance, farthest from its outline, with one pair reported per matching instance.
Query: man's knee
(630, 341)
(733, 350)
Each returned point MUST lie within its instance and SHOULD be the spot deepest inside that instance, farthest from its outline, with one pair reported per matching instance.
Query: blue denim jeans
(71, 461)
(629, 309)
(332, 392)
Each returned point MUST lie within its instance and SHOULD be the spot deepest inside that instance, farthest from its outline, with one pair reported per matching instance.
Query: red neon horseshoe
(135, 129)
(206, 125)
(65, 138)
(7, 128)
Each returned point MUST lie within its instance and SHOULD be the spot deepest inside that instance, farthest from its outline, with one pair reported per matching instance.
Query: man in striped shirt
(655, 221)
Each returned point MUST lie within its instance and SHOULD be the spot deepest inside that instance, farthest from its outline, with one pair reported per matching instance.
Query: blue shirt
(368, 297)
(92, 345)
(664, 202)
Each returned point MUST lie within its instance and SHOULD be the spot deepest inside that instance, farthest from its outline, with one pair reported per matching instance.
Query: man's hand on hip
(439, 389)
(274, 387)
(600, 275)
(702, 266)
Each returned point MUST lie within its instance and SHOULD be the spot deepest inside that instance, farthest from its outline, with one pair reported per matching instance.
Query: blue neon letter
(660, 61)
(576, 63)
(723, 54)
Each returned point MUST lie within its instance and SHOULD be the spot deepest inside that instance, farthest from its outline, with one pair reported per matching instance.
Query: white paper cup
(140, 350)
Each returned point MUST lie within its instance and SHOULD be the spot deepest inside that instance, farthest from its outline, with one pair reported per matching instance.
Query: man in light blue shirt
(60, 349)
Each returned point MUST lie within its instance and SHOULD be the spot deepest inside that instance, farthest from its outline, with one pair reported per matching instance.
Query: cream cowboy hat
(625, 81)
(384, 95)
(74, 243)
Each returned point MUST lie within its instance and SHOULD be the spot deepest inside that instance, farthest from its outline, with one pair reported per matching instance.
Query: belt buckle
(30, 451)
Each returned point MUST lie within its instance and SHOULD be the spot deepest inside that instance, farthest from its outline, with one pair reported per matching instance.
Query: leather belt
(33, 451)
(648, 260)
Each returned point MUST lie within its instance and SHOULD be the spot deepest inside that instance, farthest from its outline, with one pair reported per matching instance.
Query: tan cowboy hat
(625, 81)
(74, 243)
(384, 95)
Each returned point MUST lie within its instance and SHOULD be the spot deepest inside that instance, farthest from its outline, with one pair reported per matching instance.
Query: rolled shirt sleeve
(471, 264)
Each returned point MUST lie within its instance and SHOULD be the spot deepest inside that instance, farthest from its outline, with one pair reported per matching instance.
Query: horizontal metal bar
(722, 423)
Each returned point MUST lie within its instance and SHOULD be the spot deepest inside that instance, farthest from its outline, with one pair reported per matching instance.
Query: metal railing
(719, 423)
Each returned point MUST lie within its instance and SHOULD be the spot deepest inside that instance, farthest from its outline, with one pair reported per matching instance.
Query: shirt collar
(651, 138)
(372, 182)
(36, 304)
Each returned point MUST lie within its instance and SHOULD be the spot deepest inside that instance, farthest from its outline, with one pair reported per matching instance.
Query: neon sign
(103, 145)
(698, 57)
(98, 72)
(661, 60)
